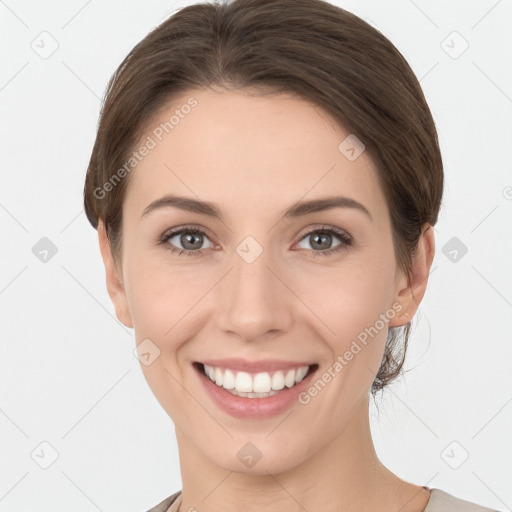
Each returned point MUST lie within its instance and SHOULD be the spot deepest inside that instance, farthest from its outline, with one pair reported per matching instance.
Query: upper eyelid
(176, 231)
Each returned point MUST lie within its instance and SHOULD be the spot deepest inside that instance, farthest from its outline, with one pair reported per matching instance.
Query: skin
(255, 157)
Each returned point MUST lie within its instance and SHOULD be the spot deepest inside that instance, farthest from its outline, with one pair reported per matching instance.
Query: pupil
(325, 237)
(187, 238)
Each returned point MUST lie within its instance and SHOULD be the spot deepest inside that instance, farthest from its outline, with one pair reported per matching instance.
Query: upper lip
(262, 365)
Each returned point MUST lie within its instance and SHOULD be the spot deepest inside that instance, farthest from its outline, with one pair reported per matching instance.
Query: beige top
(440, 501)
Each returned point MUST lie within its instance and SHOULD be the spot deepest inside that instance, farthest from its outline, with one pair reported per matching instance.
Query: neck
(345, 475)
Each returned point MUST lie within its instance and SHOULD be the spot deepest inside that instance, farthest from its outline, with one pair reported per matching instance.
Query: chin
(258, 457)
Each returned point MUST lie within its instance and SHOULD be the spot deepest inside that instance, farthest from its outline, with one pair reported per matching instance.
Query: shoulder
(441, 501)
(164, 505)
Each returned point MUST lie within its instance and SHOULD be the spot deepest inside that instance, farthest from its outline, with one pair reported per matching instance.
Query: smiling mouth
(255, 384)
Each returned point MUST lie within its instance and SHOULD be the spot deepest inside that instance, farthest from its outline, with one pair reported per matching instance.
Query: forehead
(254, 150)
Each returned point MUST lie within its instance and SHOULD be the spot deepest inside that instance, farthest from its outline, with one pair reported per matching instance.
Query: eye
(189, 241)
(186, 241)
(321, 241)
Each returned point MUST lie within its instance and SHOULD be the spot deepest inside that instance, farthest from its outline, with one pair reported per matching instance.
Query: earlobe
(410, 291)
(114, 282)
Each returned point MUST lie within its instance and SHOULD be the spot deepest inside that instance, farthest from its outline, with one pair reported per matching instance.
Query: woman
(265, 181)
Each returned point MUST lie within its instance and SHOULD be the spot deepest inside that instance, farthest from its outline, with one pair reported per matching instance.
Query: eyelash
(345, 240)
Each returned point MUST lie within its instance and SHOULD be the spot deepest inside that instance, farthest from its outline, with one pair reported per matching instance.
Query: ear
(410, 291)
(114, 281)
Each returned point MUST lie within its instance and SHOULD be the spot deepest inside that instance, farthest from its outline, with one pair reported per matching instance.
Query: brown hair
(322, 53)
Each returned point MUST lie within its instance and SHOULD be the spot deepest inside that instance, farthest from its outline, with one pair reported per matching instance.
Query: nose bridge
(253, 300)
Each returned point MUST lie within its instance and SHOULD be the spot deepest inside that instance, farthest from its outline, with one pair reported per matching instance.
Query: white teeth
(252, 395)
(301, 373)
(289, 380)
(229, 380)
(243, 382)
(278, 380)
(218, 376)
(260, 385)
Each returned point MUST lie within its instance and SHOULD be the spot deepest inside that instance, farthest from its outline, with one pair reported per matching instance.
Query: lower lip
(253, 408)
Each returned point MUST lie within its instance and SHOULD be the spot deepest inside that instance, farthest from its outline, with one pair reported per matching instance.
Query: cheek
(355, 302)
(350, 298)
(160, 295)
(167, 300)
(161, 303)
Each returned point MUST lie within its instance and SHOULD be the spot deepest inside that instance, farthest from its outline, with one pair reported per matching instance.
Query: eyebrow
(296, 210)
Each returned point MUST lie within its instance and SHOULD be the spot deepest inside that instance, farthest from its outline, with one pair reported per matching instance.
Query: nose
(253, 300)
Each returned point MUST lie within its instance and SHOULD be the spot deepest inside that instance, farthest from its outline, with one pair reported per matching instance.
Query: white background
(68, 376)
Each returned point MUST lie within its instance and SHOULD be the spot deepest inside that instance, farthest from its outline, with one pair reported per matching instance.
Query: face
(256, 283)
